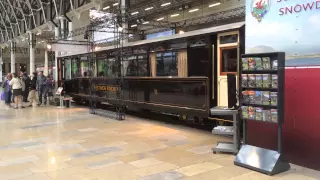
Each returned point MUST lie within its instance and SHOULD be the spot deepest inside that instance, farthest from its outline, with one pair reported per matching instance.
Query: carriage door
(228, 57)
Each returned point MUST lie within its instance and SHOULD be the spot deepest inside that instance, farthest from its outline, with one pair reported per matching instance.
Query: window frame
(223, 73)
(162, 58)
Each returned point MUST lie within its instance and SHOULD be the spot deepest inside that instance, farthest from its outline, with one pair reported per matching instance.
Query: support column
(62, 25)
(6, 68)
(70, 30)
(124, 24)
(46, 63)
(18, 68)
(56, 54)
(32, 44)
(13, 56)
(1, 62)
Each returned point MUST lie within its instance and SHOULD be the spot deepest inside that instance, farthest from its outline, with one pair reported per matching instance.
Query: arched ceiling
(20, 16)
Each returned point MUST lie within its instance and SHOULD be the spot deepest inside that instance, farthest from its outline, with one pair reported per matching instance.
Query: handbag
(3, 96)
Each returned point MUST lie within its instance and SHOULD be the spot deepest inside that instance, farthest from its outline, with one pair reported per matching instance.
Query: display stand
(228, 147)
(261, 82)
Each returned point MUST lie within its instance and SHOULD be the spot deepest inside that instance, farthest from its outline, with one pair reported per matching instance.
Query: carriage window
(84, 68)
(233, 38)
(142, 65)
(167, 64)
(67, 66)
(135, 65)
(107, 67)
(229, 58)
(102, 67)
(75, 72)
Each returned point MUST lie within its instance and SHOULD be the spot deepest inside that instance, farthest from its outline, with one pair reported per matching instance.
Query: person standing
(27, 82)
(49, 86)
(33, 89)
(41, 84)
(7, 89)
(16, 85)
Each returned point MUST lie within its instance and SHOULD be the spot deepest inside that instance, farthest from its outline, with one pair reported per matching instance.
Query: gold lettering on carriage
(106, 88)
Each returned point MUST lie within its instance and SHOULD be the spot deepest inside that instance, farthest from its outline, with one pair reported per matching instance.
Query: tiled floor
(46, 143)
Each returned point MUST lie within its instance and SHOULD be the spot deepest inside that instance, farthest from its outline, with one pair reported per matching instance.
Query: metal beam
(14, 15)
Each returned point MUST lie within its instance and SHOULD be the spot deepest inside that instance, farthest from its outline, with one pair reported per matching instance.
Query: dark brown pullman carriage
(183, 74)
(188, 96)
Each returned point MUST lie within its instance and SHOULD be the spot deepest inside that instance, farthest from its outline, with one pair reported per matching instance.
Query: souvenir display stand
(261, 81)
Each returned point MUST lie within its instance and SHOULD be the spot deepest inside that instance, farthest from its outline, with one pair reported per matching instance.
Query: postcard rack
(261, 82)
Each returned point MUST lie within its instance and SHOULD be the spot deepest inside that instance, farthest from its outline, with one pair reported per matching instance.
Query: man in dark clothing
(41, 84)
(33, 89)
(27, 82)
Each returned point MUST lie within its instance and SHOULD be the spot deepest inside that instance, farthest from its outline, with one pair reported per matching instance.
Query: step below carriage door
(228, 60)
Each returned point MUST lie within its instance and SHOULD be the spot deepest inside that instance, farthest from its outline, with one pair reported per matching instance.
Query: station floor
(45, 143)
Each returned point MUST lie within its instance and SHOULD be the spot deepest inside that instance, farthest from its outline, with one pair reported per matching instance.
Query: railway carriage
(183, 74)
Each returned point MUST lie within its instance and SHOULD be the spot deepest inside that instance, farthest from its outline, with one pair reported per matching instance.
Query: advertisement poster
(290, 26)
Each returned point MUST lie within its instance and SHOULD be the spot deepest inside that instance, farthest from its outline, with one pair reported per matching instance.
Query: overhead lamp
(215, 4)
(120, 28)
(105, 8)
(134, 25)
(193, 10)
(146, 22)
(160, 19)
(165, 4)
(49, 47)
(134, 13)
(175, 15)
(181, 32)
(38, 33)
(149, 8)
(115, 4)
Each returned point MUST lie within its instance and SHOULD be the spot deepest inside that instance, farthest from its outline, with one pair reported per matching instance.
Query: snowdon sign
(284, 25)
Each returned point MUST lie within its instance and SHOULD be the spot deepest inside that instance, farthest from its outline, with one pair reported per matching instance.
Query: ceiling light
(120, 28)
(115, 4)
(105, 8)
(160, 19)
(166, 4)
(38, 33)
(181, 32)
(147, 22)
(215, 4)
(149, 8)
(193, 10)
(175, 15)
(134, 13)
(134, 25)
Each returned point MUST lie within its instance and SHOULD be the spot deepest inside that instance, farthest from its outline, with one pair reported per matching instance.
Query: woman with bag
(7, 90)
(17, 86)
